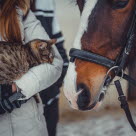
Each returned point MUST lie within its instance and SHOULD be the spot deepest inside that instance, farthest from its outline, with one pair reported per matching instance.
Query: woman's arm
(44, 75)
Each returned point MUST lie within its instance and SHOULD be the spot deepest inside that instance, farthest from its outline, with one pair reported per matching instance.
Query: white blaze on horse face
(71, 76)
(88, 8)
(70, 85)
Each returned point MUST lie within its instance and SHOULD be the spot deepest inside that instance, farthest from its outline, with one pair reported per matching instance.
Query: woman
(18, 24)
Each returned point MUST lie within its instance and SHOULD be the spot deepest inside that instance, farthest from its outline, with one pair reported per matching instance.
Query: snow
(109, 122)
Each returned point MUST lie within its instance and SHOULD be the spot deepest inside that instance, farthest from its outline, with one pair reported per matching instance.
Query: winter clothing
(28, 120)
(45, 12)
(25, 121)
(34, 80)
(51, 108)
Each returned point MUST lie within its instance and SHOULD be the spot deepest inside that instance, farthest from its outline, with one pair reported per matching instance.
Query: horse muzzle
(84, 97)
(86, 101)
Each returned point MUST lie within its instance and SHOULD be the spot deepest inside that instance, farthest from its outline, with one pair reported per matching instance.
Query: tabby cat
(16, 59)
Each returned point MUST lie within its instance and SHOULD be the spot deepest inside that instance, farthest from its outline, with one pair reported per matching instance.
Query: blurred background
(110, 120)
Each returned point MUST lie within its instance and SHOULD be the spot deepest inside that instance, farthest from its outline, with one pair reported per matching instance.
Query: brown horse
(103, 30)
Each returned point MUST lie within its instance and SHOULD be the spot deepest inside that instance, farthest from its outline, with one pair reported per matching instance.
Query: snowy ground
(104, 123)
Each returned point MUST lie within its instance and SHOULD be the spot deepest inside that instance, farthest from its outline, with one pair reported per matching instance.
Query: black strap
(91, 57)
(128, 78)
(129, 44)
(10, 103)
(124, 104)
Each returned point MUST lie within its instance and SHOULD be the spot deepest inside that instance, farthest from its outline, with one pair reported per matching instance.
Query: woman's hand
(14, 88)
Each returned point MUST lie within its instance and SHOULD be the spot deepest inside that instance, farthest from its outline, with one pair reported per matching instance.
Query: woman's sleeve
(43, 75)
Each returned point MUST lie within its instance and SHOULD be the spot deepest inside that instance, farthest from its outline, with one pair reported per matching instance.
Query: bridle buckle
(122, 98)
(126, 52)
(72, 59)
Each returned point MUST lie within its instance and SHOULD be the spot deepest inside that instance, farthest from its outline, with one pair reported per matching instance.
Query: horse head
(103, 30)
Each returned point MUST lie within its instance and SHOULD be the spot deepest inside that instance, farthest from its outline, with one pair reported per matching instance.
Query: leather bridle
(116, 66)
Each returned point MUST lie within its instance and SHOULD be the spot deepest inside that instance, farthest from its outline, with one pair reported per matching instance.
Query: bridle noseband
(116, 66)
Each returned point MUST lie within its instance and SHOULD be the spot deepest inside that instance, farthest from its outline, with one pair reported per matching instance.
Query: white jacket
(47, 9)
(25, 121)
(45, 5)
(44, 75)
(28, 120)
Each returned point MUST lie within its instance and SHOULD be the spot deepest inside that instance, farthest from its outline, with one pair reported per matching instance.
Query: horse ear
(132, 73)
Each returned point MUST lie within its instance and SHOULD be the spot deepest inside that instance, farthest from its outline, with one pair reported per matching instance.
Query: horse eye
(120, 4)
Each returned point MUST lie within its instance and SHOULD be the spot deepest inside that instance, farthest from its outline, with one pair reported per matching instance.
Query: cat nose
(46, 53)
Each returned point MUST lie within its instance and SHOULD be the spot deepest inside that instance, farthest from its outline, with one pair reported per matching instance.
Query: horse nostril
(84, 97)
(69, 102)
(101, 96)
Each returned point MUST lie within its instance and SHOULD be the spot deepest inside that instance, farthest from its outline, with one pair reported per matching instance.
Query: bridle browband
(116, 66)
(91, 57)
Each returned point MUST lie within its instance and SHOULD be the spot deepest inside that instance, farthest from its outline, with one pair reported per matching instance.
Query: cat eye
(41, 47)
(120, 4)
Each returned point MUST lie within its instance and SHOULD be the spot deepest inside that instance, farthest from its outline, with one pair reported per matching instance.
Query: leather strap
(91, 57)
(10, 103)
(124, 104)
(129, 43)
(127, 78)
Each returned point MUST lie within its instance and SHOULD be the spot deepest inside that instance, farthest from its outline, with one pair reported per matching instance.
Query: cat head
(42, 50)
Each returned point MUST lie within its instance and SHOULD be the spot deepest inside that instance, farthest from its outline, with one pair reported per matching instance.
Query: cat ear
(52, 41)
